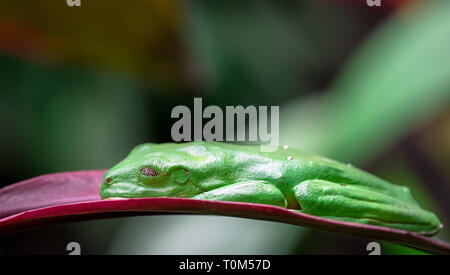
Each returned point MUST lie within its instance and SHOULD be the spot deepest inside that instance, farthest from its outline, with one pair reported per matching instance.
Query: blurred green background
(81, 86)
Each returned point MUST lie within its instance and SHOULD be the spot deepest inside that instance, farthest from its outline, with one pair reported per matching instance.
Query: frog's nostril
(108, 180)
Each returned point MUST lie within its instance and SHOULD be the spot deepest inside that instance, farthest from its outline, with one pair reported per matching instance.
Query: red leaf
(73, 196)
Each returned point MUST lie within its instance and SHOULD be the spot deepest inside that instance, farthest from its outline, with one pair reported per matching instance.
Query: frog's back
(285, 166)
(288, 166)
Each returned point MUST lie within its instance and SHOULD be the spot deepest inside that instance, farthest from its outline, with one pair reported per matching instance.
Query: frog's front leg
(249, 191)
(362, 205)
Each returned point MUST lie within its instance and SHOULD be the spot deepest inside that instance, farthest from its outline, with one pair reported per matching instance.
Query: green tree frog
(287, 178)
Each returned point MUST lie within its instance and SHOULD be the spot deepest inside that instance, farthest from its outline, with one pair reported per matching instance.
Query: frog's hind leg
(361, 205)
(249, 191)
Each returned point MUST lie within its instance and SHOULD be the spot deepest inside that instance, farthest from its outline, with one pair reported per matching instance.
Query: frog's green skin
(286, 178)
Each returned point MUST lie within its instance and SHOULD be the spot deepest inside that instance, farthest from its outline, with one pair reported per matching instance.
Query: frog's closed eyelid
(149, 172)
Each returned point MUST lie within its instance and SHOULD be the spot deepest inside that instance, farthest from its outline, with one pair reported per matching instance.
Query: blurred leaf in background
(57, 119)
(267, 52)
(138, 38)
(393, 83)
(203, 235)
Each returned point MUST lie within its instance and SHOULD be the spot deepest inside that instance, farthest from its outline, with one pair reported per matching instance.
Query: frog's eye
(149, 172)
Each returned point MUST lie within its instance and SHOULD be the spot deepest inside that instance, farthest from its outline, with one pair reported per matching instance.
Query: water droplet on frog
(349, 165)
(290, 157)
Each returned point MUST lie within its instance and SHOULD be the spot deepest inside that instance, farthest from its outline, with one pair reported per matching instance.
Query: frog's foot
(362, 205)
(250, 191)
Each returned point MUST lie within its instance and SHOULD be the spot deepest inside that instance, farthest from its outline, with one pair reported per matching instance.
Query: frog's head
(152, 170)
